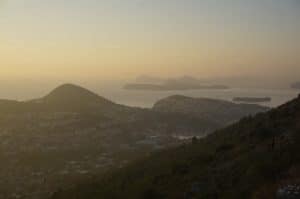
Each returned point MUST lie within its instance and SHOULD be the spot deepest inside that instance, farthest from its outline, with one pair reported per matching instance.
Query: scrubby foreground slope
(257, 157)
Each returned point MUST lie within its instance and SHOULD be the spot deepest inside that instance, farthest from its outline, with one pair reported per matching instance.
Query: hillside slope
(253, 158)
(220, 111)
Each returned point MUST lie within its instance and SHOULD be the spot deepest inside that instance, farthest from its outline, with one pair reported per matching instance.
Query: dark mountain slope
(249, 159)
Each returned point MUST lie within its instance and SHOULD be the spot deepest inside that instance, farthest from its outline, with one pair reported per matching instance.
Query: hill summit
(73, 98)
(72, 92)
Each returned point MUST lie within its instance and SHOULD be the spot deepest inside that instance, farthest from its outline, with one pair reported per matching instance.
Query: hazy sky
(125, 38)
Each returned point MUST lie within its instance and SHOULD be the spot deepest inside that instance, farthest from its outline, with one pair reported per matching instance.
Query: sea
(143, 98)
(148, 98)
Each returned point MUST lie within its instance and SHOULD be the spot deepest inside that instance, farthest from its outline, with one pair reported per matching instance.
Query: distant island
(296, 85)
(146, 79)
(154, 87)
(252, 99)
(182, 83)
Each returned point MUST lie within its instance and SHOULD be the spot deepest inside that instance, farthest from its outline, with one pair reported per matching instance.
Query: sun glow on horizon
(131, 37)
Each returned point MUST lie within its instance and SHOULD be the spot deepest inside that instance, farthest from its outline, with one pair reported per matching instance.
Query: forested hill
(258, 157)
(221, 111)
